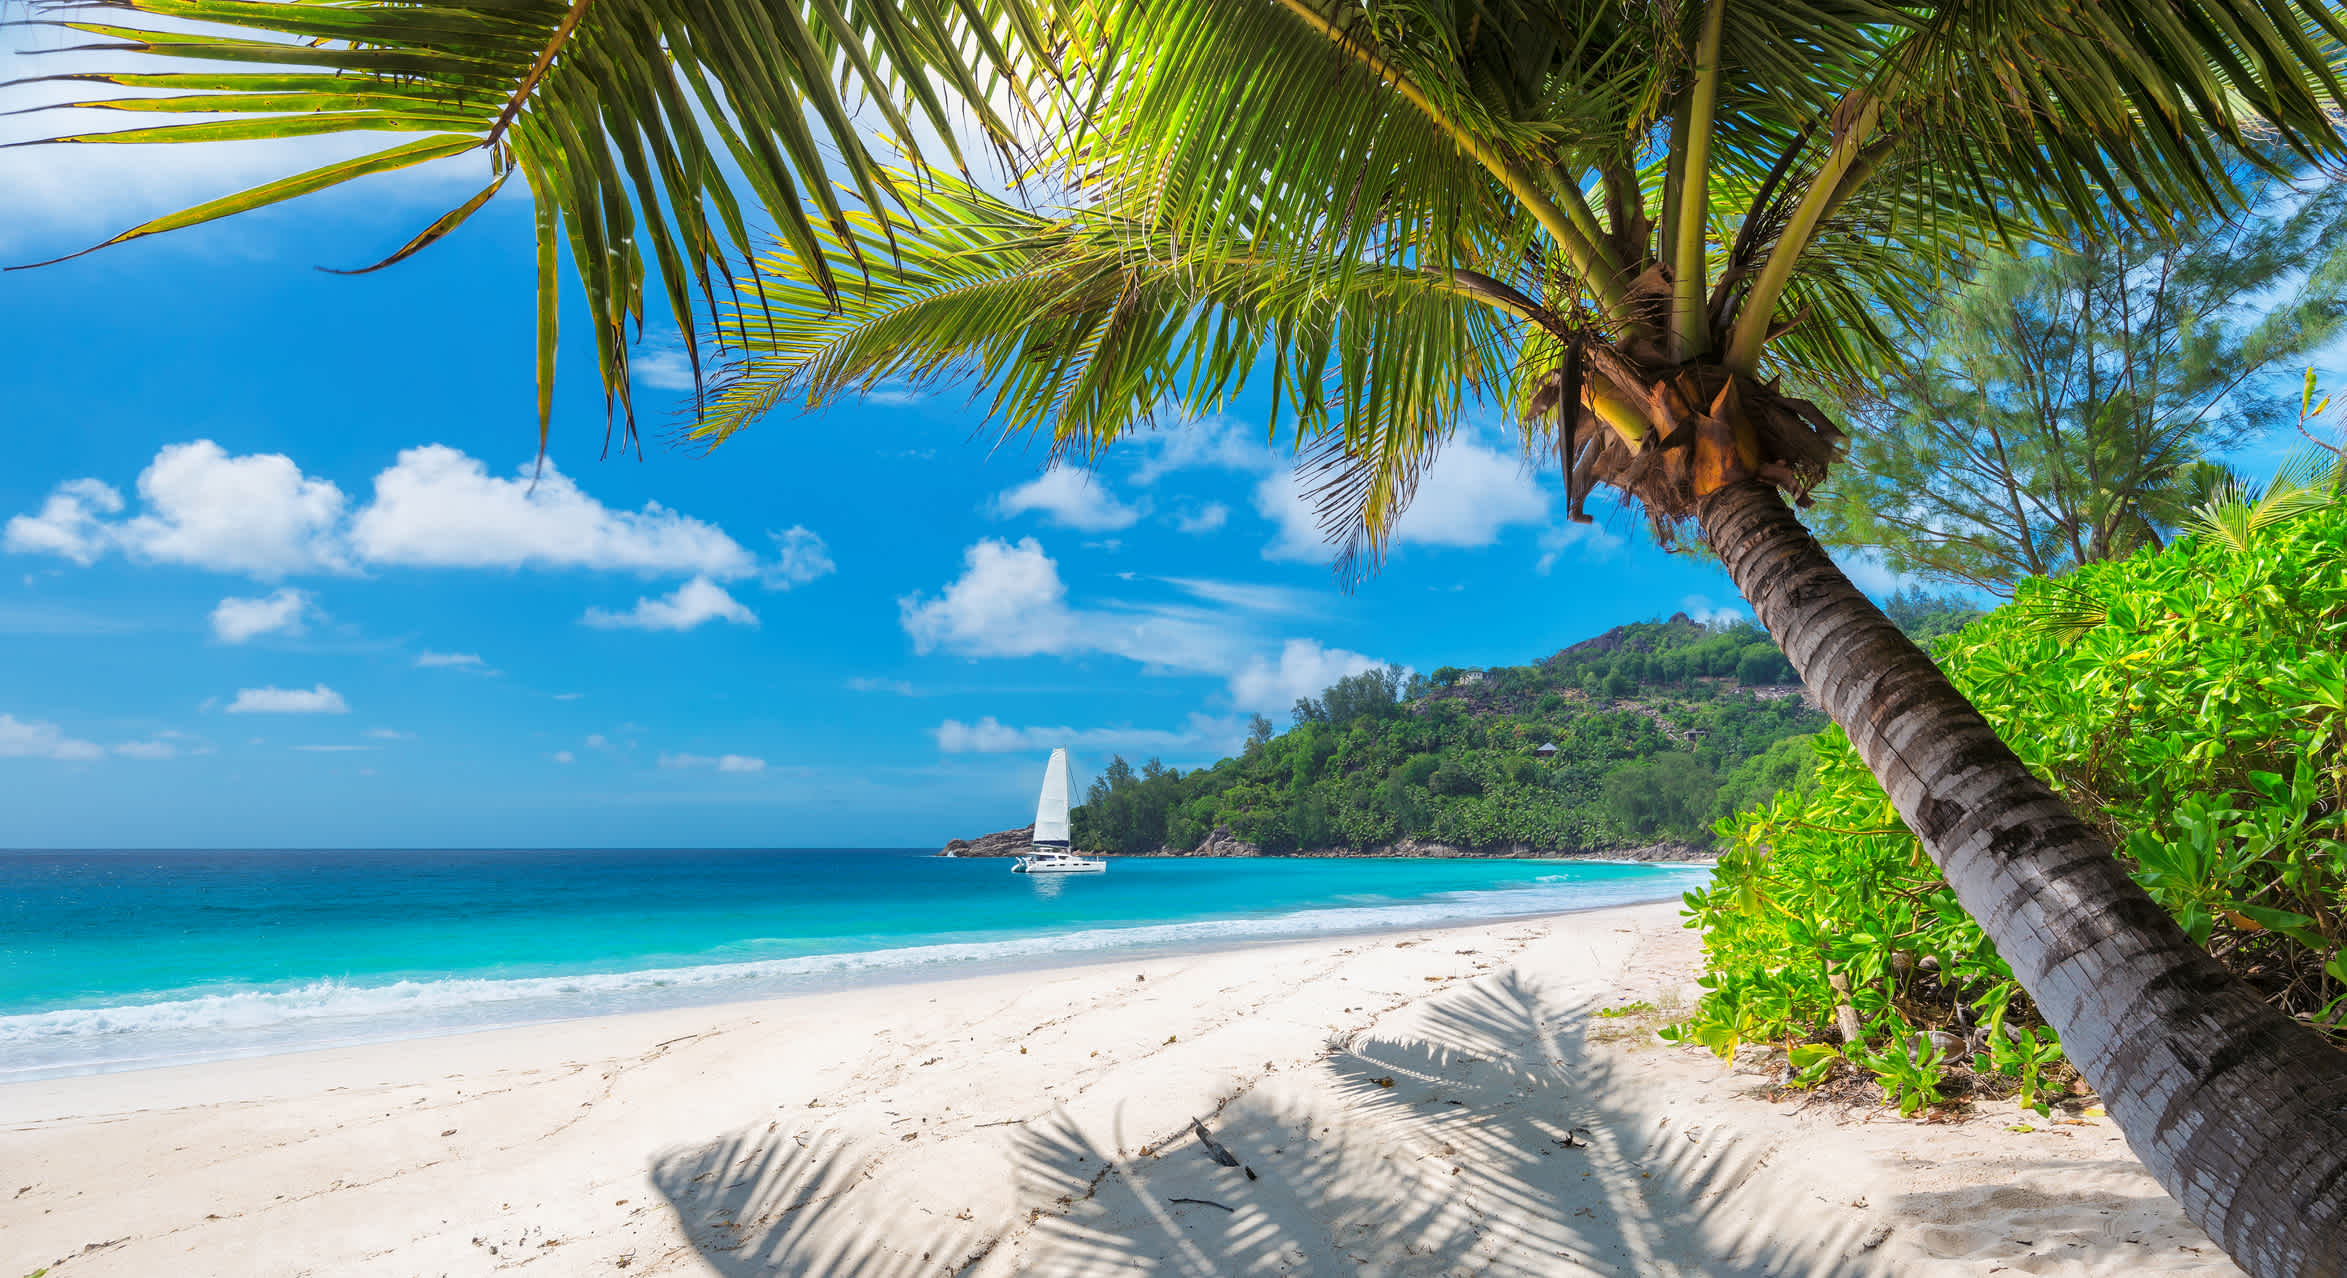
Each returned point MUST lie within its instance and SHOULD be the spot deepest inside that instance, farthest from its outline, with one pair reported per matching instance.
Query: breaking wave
(192, 1026)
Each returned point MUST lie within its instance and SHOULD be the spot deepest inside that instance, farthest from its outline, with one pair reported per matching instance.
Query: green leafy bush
(2191, 703)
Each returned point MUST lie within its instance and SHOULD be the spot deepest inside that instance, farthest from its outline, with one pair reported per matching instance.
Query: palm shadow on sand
(1492, 1140)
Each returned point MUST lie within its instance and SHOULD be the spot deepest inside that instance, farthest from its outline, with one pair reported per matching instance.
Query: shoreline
(1222, 846)
(1411, 1102)
(325, 1014)
(521, 1039)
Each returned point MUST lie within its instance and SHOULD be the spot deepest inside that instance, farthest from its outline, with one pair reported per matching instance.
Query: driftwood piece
(1845, 1016)
(1203, 1202)
(1214, 1148)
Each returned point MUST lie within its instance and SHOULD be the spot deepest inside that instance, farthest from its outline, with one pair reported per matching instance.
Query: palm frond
(1391, 208)
(2238, 515)
(1082, 328)
(2062, 612)
(634, 122)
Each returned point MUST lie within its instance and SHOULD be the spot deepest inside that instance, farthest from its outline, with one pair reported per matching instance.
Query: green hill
(1659, 729)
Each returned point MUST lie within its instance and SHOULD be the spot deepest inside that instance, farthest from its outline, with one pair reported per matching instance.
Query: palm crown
(1607, 218)
(1610, 220)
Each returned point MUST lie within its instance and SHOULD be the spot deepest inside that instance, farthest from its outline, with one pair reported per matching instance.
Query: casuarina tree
(2066, 406)
(1621, 223)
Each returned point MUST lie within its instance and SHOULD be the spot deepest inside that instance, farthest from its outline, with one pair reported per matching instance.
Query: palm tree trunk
(2240, 1112)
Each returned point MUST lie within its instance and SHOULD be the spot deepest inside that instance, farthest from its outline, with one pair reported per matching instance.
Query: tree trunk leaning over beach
(2237, 1110)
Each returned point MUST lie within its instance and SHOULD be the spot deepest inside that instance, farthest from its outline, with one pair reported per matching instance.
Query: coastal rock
(1000, 843)
(1222, 843)
(1664, 851)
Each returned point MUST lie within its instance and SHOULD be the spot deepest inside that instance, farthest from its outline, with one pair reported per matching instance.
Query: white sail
(1051, 811)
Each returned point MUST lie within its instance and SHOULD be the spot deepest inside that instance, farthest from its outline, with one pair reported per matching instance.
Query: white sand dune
(1436, 1102)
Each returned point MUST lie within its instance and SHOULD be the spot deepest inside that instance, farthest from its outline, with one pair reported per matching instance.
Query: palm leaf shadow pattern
(761, 1203)
(1451, 1152)
(1491, 1137)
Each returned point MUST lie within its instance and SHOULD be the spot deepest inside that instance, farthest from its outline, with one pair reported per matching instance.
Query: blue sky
(272, 572)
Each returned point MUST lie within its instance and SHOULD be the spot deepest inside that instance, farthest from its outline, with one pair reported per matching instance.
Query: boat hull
(1058, 865)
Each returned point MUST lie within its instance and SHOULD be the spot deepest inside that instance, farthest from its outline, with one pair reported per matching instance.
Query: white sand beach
(1439, 1101)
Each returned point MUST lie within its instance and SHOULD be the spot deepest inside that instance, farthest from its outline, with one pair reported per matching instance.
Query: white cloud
(1205, 519)
(1215, 444)
(1867, 571)
(33, 739)
(1595, 542)
(721, 762)
(897, 686)
(565, 756)
(331, 749)
(1244, 594)
(318, 700)
(1304, 669)
(688, 606)
(256, 514)
(147, 750)
(1700, 609)
(437, 507)
(597, 741)
(799, 557)
(1010, 602)
(1281, 498)
(568, 696)
(990, 736)
(662, 370)
(1467, 498)
(430, 660)
(1070, 497)
(390, 734)
(259, 516)
(69, 523)
(236, 619)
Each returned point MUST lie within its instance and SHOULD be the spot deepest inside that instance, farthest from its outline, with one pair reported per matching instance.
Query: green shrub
(1668, 794)
(1761, 663)
(2192, 704)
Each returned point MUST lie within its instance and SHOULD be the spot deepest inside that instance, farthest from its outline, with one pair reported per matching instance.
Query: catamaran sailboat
(1050, 854)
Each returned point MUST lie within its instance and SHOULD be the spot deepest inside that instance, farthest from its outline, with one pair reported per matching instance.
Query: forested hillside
(1659, 729)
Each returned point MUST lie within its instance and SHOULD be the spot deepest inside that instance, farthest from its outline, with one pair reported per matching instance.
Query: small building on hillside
(1546, 750)
(1470, 676)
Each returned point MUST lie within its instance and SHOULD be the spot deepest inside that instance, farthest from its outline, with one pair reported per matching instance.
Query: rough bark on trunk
(2239, 1112)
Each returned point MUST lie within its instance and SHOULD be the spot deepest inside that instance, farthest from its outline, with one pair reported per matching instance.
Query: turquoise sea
(123, 960)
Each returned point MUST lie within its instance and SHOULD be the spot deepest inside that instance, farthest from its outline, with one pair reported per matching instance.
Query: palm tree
(1621, 223)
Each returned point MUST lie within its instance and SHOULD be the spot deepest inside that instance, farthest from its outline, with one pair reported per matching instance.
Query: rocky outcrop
(1669, 851)
(1680, 626)
(1220, 843)
(1223, 843)
(1000, 843)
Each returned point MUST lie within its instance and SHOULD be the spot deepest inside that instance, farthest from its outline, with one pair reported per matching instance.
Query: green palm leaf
(636, 124)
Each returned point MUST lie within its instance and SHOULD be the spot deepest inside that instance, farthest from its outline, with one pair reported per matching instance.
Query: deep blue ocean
(123, 960)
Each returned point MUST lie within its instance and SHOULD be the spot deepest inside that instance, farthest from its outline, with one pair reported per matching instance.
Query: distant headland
(1009, 843)
(1626, 745)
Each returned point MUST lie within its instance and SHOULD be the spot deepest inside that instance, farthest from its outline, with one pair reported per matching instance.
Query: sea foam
(247, 1022)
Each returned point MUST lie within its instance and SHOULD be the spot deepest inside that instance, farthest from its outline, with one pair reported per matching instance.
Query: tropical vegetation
(2191, 703)
(1658, 729)
(1620, 223)
(2070, 406)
